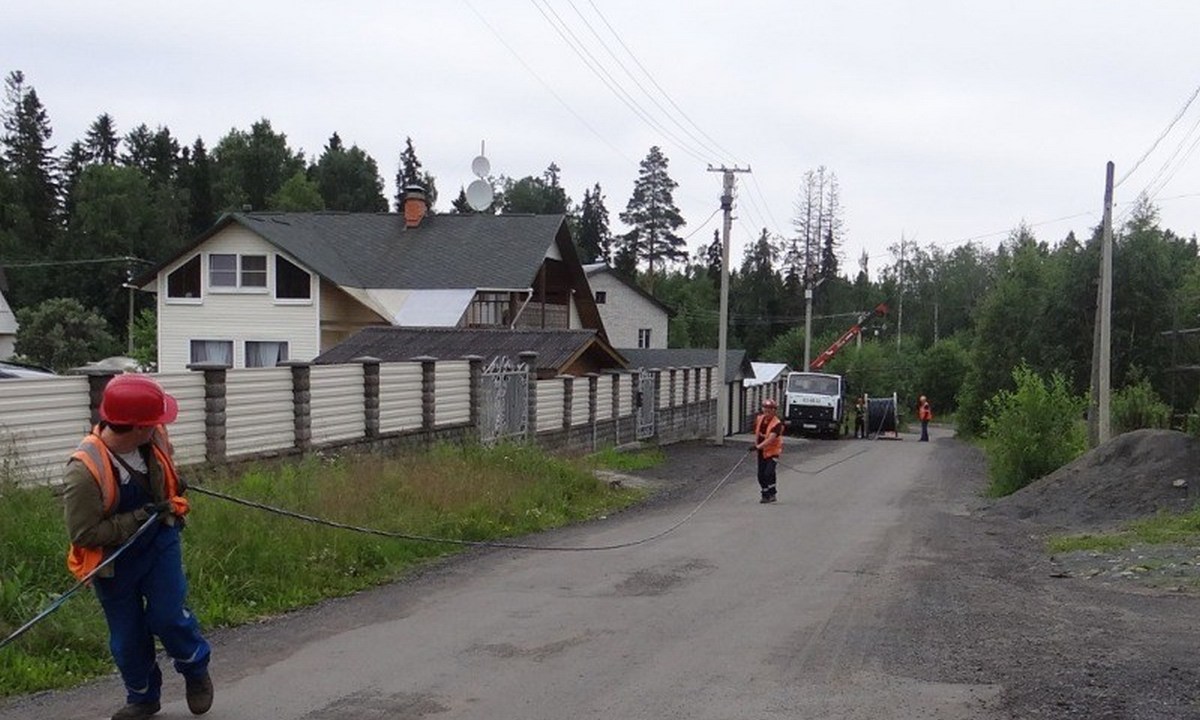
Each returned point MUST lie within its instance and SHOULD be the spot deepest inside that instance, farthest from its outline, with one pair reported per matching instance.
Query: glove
(753, 448)
(163, 508)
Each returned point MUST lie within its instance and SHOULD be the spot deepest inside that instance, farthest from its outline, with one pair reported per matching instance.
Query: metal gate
(647, 394)
(504, 401)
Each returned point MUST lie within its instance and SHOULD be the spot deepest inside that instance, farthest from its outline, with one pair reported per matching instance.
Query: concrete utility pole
(900, 285)
(723, 321)
(1105, 309)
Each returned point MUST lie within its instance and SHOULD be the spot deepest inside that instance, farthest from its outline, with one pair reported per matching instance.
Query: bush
(1032, 431)
(1137, 406)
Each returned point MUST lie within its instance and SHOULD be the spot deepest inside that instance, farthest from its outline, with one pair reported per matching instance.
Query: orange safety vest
(93, 453)
(774, 443)
(925, 413)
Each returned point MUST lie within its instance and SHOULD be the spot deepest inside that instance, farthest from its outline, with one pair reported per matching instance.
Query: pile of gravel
(1133, 475)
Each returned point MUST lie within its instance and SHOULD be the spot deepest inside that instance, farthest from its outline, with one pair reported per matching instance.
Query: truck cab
(814, 403)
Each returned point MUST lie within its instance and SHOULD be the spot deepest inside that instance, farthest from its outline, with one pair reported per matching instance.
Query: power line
(58, 263)
(1160, 138)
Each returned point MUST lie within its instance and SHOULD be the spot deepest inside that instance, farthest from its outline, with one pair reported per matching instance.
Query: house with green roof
(259, 288)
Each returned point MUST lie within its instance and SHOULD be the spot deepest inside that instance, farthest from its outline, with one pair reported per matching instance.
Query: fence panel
(579, 402)
(41, 423)
(549, 404)
(625, 395)
(259, 413)
(188, 432)
(604, 405)
(337, 403)
(452, 383)
(399, 397)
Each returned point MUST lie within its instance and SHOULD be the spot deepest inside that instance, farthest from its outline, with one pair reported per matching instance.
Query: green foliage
(298, 194)
(145, 338)
(244, 564)
(652, 214)
(1032, 431)
(614, 459)
(348, 179)
(941, 370)
(538, 195)
(250, 167)
(61, 334)
(1137, 406)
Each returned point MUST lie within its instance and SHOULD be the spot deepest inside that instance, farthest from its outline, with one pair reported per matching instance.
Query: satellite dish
(481, 167)
(479, 193)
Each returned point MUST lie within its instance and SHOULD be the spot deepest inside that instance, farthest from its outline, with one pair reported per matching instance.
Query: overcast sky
(944, 121)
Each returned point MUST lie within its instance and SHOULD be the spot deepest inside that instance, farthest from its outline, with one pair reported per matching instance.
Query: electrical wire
(58, 602)
(469, 543)
(1160, 137)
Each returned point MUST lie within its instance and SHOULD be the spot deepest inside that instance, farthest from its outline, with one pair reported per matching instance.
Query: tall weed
(1137, 406)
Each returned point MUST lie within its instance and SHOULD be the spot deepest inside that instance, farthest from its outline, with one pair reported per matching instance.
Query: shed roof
(737, 365)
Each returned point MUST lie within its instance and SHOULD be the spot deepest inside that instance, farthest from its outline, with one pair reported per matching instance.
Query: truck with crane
(815, 401)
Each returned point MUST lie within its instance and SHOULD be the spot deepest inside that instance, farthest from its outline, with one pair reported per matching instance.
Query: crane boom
(820, 360)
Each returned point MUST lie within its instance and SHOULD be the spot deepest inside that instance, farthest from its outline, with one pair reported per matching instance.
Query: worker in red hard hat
(121, 475)
(768, 442)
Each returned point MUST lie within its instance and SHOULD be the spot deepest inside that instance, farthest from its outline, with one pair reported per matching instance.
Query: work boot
(199, 693)
(137, 711)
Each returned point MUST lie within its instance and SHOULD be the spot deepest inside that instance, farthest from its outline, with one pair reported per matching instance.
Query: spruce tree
(348, 179)
(652, 213)
(411, 173)
(31, 164)
(102, 140)
(595, 239)
(196, 179)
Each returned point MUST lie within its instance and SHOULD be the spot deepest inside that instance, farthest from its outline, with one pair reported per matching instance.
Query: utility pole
(723, 320)
(1105, 309)
(900, 285)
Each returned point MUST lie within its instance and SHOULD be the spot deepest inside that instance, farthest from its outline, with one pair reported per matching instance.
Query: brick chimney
(416, 204)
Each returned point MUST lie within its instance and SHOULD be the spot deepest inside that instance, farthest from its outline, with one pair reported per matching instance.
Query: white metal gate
(504, 401)
(646, 396)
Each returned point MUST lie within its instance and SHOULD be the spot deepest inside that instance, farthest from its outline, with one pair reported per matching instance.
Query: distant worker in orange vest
(768, 442)
(121, 476)
(925, 414)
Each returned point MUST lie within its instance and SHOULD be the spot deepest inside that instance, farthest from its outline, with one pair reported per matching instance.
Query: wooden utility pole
(723, 320)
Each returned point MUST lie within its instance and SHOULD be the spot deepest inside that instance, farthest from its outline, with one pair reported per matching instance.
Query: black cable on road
(455, 541)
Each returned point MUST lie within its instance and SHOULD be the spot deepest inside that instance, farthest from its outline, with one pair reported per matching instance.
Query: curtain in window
(217, 351)
(265, 354)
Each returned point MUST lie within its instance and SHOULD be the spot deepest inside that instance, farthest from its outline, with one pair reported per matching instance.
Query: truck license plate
(809, 426)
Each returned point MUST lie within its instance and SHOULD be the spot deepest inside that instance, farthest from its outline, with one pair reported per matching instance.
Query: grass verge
(244, 564)
(1161, 529)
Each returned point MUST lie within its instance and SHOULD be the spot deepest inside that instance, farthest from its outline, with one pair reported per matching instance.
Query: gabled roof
(556, 349)
(375, 250)
(596, 268)
(737, 365)
(8, 319)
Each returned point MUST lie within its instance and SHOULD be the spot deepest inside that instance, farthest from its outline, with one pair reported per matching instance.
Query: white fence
(43, 419)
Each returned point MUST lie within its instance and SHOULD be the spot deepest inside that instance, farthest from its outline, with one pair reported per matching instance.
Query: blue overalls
(145, 598)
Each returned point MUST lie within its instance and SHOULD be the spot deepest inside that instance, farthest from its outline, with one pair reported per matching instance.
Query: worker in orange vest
(768, 442)
(121, 475)
(924, 414)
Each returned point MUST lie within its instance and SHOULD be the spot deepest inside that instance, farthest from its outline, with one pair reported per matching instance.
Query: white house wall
(235, 316)
(625, 311)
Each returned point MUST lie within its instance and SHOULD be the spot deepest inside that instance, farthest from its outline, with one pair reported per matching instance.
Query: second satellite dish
(481, 167)
(479, 193)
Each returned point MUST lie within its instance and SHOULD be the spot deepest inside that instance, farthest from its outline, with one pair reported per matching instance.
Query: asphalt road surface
(817, 606)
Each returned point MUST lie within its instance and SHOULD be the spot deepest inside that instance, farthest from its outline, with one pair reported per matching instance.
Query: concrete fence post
(671, 388)
(97, 381)
(301, 403)
(370, 395)
(568, 400)
(214, 409)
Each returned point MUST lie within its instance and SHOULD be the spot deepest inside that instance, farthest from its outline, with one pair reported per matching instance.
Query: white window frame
(246, 352)
(644, 333)
(166, 291)
(227, 341)
(238, 286)
(274, 281)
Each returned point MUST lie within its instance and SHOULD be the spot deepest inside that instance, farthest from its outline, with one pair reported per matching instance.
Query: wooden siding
(42, 420)
(258, 410)
(399, 397)
(337, 403)
(235, 316)
(187, 432)
(550, 404)
(452, 381)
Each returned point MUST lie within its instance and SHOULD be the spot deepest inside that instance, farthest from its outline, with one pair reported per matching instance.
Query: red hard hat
(769, 403)
(137, 400)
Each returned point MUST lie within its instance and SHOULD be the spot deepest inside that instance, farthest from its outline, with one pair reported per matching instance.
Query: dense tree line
(80, 223)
